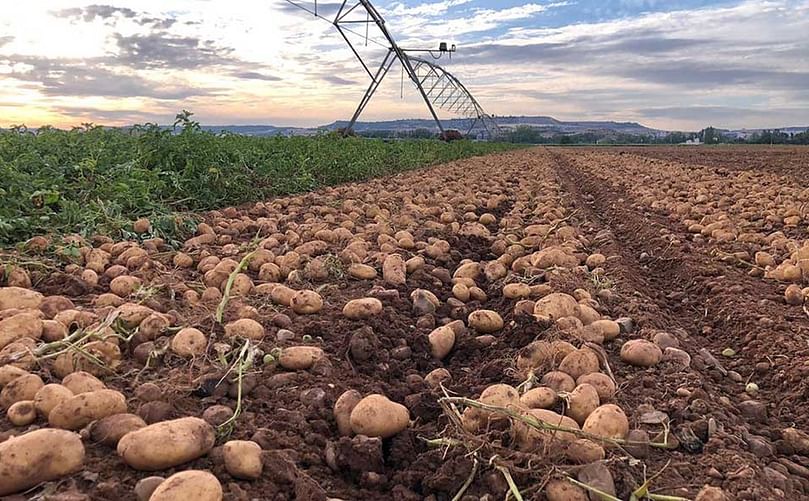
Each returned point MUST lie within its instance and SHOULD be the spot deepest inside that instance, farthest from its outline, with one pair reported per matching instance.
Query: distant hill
(548, 124)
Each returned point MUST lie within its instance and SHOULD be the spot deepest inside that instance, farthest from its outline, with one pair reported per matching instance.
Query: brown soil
(707, 304)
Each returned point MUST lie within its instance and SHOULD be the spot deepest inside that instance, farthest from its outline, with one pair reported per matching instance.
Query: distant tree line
(711, 135)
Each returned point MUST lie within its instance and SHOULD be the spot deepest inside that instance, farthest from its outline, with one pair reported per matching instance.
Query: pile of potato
(750, 215)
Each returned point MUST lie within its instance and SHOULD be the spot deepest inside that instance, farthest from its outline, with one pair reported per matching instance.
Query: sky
(675, 65)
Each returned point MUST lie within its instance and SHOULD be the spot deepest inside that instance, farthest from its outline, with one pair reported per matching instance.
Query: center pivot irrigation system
(438, 87)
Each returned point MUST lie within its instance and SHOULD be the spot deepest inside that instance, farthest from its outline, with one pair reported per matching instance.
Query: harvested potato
(281, 294)
(80, 410)
(414, 264)
(595, 261)
(485, 321)
(607, 330)
(580, 362)
(442, 340)
(394, 270)
(641, 353)
(587, 314)
(342, 411)
(9, 373)
(461, 292)
(109, 430)
(562, 490)
(362, 271)
(38, 456)
(23, 388)
(82, 382)
(558, 381)
(19, 298)
(20, 353)
(125, 285)
(377, 416)
(604, 385)
(583, 451)
(49, 396)
(358, 309)
(245, 328)
(555, 306)
(189, 485)
(607, 421)
(793, 296)
(516, 291)
(436, 377)
(468, 270)
(300, 357)
(166, 444)
(539, 398)
(243, 459)
(528, 438)
(581, 402)
(53, 331)
(306, 302)
(189, 342)
(22, 413)
(22, 325)
(541, 354)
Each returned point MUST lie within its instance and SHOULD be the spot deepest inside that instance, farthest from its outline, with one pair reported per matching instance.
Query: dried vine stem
(220, 310)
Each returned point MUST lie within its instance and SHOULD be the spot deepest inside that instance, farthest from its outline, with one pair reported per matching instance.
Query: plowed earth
(656, 273)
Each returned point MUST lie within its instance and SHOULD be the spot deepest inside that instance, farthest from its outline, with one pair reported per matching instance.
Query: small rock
(148, 392)
(145, 487)
(653, 417)
(735, 377)
(714, 473)
(156, 411)
(665, 340)
(677, 357)
(217, 414)
(285, 335)
(753, 410)
(401, 353)
(626, 324)
(639, 444)
(313, 397)
(709, 493)
(597, 475)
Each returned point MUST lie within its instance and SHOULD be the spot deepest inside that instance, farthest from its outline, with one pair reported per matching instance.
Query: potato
(20, 354)
(189, 485)
(587, 314)
(641, 353)
(82, 382)
(246, 328)
(555, 306)
(21, 325)
(38, 456)
(49, 396)
(605, 387)
(125, 285)
(485, 321)
(394, 270)
(376, 416)
(300, 357)
(583, 451)
(595, 261)
(362, 271)
(243, 459)
(562, 490)
(468, 270)
(53, 331)
(131, 314)
(19, 298)
(580, 362)
(111, 429)
(607, 421)
(166, 444)
(540, 354)
(108, 353)
(342, 411)
(539, 398)
(442, 340)
(82, 409)
(358, 309)
(516, 291)
(9, 373)
(559, 381)
(607, 330)
(22, 413)
(528, 438)
(581, 402)
(242, 285)
(22, 388)
(189, 342)
(498, 395)
(436, 377)
(414, 264)
(306, 302)
(461, 292)
(793, 296)
(281, 294)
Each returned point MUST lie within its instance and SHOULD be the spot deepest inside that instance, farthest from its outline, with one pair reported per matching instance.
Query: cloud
(5, 40)
(165, 51)
(338, 80)
(93, 12)
(59, 77)
(253, 75)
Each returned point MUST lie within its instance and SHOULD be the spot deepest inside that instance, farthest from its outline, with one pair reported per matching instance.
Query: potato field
(561, 324)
